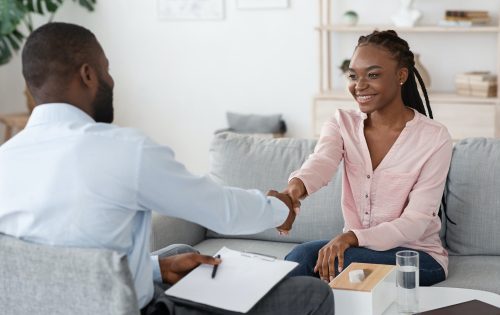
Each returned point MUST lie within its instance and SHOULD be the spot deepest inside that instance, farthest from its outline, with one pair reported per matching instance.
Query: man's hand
(297, 191)
(325, 264)
(287, 225)
(173, 268)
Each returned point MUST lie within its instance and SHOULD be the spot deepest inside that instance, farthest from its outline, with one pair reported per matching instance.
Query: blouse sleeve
(321, 165)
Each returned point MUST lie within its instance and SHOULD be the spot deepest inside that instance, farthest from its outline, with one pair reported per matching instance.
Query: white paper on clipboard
(242, 280)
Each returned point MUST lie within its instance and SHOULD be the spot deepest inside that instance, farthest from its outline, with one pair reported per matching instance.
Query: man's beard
(103, 103)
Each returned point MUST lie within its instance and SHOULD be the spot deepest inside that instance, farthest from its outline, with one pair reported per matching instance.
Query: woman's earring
(401, 83)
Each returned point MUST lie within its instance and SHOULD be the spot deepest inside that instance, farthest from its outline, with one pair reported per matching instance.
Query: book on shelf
(476, 83)
(491, 92)
(446, 23)
(465, 18)
(466, 14)
(481, 76)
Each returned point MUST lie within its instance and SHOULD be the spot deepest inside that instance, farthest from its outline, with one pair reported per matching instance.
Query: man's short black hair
(57, 51)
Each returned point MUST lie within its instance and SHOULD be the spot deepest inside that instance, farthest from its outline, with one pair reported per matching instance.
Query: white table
(436, 297)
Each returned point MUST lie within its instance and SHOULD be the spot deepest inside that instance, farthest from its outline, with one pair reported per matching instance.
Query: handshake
(291, 197)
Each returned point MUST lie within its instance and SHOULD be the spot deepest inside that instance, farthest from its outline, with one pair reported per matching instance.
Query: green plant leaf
(42, 6)
(39, 8)
(8, 44)
(89, 4)
(5, 52)
(29, 5)
(13, 41)
(51, 5)
(18, 35)
(11, 14)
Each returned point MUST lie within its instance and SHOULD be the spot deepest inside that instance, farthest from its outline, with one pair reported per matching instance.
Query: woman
(395, 165)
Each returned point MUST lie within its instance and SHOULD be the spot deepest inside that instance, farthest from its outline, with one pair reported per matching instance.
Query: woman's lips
(364, 98)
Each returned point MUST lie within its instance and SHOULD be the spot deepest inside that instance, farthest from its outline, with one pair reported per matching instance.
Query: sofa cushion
(253, 162)
(473, 198)
(42, 279)
(251, 123)
(473, 272)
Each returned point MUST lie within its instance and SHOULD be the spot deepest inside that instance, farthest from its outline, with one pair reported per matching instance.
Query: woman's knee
(305, 251)
(297, 253)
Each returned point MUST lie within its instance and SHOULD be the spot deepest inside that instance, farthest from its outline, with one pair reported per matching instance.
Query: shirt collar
(57, 112)
(413, 121)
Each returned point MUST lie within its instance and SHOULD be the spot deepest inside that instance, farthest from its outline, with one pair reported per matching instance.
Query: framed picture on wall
(262, 4)
(191, 9)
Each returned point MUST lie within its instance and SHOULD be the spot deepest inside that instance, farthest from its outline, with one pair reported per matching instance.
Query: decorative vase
(423, 72)
(350, 18)
(407, 16)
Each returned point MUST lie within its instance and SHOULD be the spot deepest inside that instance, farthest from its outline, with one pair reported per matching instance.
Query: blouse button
(366, 196)
(366, 212)
(368, 176)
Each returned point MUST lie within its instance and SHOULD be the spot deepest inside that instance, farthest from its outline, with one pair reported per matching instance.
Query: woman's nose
(361, 84)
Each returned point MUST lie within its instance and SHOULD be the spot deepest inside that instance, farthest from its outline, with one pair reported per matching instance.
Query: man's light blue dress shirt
(67, 180)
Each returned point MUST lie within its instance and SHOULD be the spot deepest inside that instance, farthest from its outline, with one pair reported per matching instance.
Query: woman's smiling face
(375, 78)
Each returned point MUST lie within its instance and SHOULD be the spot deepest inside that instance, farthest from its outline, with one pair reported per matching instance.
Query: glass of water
(407, 279)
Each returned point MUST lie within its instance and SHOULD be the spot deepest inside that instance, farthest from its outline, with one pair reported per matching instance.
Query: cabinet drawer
(466, 120)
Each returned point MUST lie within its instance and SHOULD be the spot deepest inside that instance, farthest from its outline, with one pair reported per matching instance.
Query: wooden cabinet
(464, 116)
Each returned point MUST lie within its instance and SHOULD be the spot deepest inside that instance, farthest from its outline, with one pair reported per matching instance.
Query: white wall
(176, 80)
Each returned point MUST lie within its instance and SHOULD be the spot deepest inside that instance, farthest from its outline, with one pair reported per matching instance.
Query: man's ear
(88, 76)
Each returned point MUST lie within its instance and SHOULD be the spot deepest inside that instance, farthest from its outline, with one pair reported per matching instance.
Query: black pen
(214, 271)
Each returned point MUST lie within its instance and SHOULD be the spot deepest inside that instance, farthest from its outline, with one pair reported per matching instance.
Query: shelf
(416, 29)
(441, 97)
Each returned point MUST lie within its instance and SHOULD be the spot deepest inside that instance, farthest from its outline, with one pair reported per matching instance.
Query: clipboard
(243, 278)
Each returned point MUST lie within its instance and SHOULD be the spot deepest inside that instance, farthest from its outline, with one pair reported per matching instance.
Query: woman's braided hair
(400, 50)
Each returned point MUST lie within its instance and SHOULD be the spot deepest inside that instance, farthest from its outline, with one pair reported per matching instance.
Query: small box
(371, 296)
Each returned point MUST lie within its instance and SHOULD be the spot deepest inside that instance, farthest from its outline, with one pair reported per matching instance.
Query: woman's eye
(351, 76)
(373, 75)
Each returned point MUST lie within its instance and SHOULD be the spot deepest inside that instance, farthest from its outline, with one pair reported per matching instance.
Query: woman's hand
(297, 191)
(325, 264)
(174, 268)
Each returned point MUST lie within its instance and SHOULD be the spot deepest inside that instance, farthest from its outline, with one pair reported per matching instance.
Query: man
(71, 178)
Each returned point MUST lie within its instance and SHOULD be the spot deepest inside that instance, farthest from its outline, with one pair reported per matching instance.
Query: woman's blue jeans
(306, 255)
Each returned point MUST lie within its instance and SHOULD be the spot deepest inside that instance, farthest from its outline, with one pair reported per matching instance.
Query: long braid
(424, 90)
(400, 50)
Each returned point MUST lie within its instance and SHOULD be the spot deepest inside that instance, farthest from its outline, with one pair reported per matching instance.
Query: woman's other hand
(334, 249)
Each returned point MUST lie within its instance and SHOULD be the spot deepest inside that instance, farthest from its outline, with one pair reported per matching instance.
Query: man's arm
(164, 185)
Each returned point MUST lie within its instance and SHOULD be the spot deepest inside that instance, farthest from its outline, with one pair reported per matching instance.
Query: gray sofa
(472, 195)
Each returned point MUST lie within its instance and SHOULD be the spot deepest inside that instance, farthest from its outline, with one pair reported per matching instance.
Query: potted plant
(16, 18)
(16, 15)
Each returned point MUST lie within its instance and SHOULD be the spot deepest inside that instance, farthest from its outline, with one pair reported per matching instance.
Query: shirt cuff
(280, 210)
(156, 269)
(360, 237)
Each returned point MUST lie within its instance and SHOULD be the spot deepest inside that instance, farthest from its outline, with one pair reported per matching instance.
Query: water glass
(407, 279)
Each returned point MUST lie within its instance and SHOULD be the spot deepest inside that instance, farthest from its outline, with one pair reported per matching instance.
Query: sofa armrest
(167, 231)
